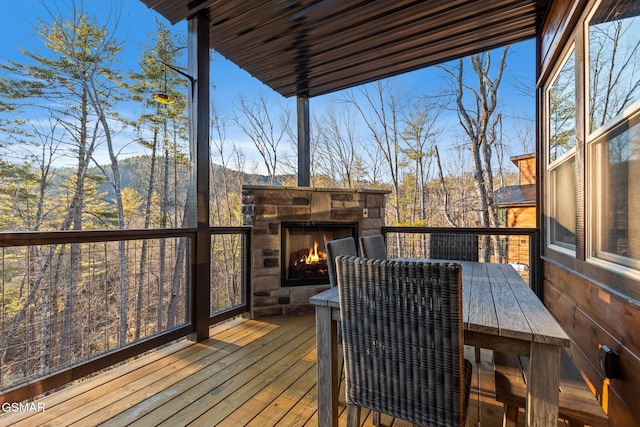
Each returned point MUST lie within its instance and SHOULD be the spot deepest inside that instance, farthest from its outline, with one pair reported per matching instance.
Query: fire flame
(313, 257)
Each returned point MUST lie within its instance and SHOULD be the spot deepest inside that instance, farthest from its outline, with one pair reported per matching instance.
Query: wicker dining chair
(345, 246)
(403, 340)
(460, 247)
(455, 247)
(335, 248)
(373, 247)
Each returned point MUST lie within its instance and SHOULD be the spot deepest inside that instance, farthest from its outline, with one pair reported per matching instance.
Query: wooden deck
(250, 372)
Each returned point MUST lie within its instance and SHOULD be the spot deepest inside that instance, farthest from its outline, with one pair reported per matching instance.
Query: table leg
(543, 379)
(327, 358)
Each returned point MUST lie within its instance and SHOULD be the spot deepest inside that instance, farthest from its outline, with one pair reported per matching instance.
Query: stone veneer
(265, 207)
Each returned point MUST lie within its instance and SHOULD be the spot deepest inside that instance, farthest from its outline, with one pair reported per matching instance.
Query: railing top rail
(461, 230)
(242, 229)
(85, 236)
(25, 238)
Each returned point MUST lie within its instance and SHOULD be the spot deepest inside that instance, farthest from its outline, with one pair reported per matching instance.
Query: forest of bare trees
(70, 118)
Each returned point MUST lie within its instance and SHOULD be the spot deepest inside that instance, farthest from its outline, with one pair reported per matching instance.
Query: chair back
(373, 247)
(334, 248)
(403, 339)
(460, 247)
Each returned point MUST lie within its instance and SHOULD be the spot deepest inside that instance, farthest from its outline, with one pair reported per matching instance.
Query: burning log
(308, 263)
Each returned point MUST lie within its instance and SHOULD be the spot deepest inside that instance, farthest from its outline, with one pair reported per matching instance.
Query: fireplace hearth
(304, 260)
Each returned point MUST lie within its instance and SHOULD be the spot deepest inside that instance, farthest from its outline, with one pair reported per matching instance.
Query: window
(616, 159)
(562, 111)
(614, 131)
(561, 123)
(562, 226)
(502, 217)
(614, 60)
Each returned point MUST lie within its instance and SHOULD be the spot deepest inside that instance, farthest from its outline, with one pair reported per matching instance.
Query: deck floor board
(250, 372)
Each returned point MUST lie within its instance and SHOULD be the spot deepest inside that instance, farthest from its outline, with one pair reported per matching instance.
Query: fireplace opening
(304, 260)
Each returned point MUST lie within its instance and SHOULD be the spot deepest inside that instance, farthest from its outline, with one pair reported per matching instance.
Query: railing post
(198, 43)
(535, 273)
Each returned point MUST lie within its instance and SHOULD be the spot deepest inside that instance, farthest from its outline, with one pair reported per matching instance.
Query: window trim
(570, 250)
(617, 263)
(591, 135)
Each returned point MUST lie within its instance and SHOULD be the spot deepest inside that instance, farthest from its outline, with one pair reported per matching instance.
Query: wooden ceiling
(313, 47)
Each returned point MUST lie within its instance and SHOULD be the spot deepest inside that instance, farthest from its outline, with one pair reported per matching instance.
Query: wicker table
(500, 313)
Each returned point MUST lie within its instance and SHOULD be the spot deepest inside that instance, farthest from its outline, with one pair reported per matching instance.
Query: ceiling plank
(313, 47)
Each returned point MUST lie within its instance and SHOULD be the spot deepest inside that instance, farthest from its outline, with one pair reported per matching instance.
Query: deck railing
(75, 302)
(517, 246)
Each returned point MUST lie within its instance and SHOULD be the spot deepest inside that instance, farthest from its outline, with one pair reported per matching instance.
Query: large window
(614, 131)
(561, 123)
(616, 168)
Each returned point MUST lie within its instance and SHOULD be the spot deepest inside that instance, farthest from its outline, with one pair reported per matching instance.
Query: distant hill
(134, 174)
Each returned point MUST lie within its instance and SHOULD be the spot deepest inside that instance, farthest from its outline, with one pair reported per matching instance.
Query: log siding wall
(596, 306)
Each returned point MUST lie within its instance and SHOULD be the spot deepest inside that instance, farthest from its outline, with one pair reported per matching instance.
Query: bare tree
(421, 134)
(380, 106)
(476, 106)
(336, 152)
(227, 160)
(265, 129)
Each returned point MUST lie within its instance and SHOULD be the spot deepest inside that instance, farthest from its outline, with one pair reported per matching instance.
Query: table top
(496, 301)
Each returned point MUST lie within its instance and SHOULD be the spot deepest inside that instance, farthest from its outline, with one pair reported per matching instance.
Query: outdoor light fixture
(163, 98)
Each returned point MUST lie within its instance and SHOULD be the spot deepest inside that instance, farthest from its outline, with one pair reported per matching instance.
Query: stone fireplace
(290, 226)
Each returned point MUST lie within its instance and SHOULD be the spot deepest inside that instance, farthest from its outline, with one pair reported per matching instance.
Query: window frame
(618, 264)
(596, 255)
(550, 167)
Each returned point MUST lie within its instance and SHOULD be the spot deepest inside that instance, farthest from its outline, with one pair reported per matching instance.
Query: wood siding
(519, 217)
(593, 317)
(523, 217)
(527, 168)
(595, 305)
(556, 28)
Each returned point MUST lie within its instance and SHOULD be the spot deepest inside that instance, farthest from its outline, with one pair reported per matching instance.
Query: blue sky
(230, 81)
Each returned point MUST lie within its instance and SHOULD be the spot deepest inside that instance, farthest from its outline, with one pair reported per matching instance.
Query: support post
(198, 45)
(304, 146)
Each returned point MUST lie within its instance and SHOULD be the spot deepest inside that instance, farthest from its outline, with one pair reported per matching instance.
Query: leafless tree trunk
(178, 274)
(421, 134)
(445, 190)
(256, 119)
(380, 108)
(337, 157)
(225, 185)
(479, 119)
(48, 298)
(147, 222)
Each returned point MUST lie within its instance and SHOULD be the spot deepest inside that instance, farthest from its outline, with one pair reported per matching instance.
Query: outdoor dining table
(500, 312)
